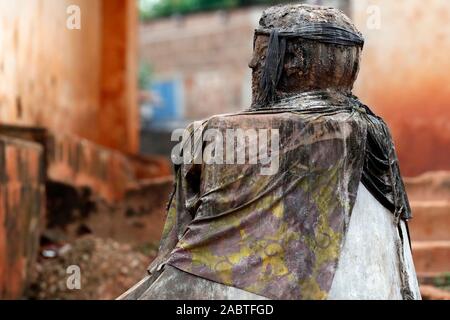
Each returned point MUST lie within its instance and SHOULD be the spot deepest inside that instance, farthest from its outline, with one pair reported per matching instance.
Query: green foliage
(442, 280)
(145, 75)
(162, 8)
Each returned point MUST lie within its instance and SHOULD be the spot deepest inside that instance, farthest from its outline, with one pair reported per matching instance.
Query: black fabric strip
(381, 173)
(273, 66)
(321, 32)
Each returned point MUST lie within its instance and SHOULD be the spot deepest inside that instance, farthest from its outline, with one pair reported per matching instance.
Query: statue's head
(300, 48)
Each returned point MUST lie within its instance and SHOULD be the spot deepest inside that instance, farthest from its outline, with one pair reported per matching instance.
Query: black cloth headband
(276, 50)
(320, 31)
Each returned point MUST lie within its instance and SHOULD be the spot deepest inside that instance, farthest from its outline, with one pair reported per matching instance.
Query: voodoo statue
(298, 196)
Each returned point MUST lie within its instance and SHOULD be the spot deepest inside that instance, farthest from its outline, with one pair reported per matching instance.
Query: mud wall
(405, 76)
(73, 81)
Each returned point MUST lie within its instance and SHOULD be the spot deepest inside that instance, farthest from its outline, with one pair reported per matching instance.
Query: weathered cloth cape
(280, 236)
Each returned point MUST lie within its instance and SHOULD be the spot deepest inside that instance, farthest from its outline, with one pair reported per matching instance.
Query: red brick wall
(22, 205)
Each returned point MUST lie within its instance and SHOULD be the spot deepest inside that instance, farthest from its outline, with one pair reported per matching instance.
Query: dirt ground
(107, 269)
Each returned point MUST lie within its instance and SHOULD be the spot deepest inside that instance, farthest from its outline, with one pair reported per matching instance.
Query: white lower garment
(369, 266)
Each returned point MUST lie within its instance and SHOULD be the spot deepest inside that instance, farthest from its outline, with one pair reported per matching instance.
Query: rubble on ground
(107, 269)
